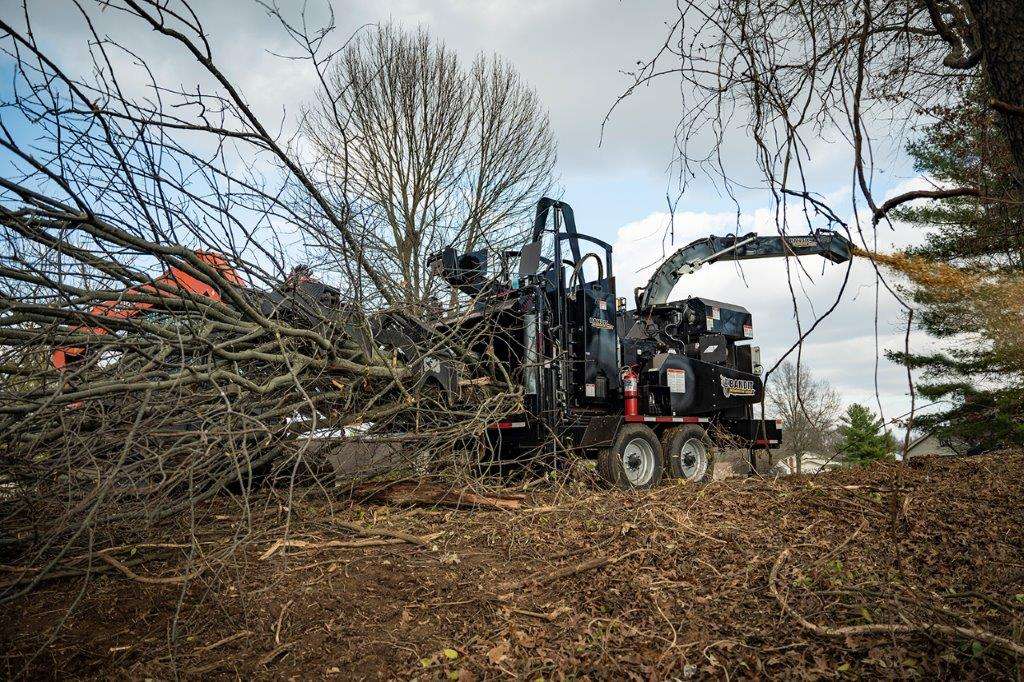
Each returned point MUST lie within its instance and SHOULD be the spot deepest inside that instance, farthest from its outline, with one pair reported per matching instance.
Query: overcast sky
(573, 52)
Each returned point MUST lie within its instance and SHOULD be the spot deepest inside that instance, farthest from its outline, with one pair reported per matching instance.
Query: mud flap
(600, 431)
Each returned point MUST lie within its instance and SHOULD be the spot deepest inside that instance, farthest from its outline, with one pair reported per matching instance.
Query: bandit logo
(737, 387)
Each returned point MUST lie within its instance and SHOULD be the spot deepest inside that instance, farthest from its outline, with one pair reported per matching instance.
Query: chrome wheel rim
(693, 459)
(638, 461)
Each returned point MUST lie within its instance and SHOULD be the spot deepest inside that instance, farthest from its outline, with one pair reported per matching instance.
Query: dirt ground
(890, 571)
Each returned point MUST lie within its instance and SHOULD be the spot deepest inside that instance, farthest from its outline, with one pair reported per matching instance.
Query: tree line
(817, 427)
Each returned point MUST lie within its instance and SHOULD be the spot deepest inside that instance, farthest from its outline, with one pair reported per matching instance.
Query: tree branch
(881, 212)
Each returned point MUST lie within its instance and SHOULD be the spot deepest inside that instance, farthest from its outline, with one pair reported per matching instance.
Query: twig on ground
(226, 640)
(887, 628)
(280, 620)
(398, 539)
(545, 578)
(330, 544)
(170, 580)
(550, 616)
(383, 532)
(444, 496)
(275, 653)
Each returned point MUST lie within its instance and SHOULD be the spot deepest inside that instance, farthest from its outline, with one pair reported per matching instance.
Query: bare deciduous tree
(428, 152)
(808, 408)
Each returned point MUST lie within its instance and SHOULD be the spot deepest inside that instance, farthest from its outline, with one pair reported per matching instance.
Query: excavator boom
(826, 243)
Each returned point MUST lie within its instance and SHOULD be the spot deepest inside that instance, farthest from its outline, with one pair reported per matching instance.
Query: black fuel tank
(675, 385)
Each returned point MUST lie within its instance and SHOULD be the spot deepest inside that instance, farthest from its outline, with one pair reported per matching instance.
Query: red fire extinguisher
(629, 390)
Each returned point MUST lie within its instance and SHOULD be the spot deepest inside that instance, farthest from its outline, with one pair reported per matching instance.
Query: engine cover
(693, 317)
(675, 385)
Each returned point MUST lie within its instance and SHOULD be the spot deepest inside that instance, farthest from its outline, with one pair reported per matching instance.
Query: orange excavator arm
(173, 278)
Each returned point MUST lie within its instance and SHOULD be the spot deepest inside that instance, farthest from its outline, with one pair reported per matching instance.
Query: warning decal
(676, 380)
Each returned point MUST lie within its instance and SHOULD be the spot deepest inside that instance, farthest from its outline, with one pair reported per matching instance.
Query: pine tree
(864, 440)
(977, 381)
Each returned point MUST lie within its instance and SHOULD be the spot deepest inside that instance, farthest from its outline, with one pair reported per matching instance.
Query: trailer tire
(690, 453)
(634, 459)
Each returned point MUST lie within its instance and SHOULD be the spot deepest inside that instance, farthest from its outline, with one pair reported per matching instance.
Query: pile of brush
(126, 404)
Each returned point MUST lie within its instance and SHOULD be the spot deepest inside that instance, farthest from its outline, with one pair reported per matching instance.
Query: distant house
(929, 445)
(811, 463)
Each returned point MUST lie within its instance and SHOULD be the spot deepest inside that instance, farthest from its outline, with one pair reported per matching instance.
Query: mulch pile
(889, 571)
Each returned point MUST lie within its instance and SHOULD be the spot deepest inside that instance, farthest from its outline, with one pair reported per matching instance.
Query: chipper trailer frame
(648, 391)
